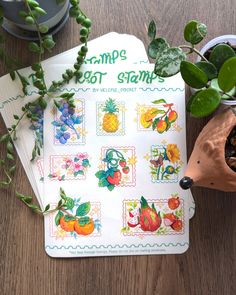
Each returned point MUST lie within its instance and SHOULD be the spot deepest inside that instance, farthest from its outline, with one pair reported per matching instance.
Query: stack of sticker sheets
(118, 155)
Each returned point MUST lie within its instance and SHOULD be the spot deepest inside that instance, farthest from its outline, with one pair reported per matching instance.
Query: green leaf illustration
(58, 217)
(84, 220)
(83, 209)
(158, 101)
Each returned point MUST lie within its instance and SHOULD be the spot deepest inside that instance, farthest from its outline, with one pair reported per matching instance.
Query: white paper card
(121, 174)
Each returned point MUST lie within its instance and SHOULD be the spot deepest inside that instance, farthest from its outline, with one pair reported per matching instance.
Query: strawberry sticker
(111, 177)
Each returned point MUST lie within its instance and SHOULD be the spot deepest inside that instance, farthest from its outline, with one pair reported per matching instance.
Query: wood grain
(209, 265)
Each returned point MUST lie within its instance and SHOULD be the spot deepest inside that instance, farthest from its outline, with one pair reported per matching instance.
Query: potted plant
(212, 79)
(52, 13)
(213, 75)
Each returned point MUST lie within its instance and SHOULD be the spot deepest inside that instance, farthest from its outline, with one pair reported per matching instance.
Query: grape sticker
(69, 167)
(69, 124)
(165, 163)
(117, 167)
(76, 219)
(111, 118)
(159, 117)
(153, 217)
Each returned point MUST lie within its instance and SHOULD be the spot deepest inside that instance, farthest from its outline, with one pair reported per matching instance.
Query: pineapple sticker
(110, 122)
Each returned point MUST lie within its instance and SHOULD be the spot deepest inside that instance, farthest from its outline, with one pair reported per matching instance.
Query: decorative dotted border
(93, 235)
(82, 140)
(51, 165)
(175, 180)
(152, 233)
(104, 148)
(119, 132)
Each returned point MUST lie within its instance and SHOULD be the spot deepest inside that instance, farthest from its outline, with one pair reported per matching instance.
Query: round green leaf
(34, 47)
(214, 84)
(227, 75)
(208, 68)
(205, 102)
(156, 47)
(43, 29)
(168, 63)
(192, 75)
(220, 54)
(188, 106)
(194, 32)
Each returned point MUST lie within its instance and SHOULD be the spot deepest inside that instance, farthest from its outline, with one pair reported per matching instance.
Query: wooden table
(209, 265)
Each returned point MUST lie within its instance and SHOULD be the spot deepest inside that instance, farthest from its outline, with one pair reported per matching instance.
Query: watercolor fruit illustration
(172, 116)
(67, 223)
(147, 117)
(84, 226)
(115, 179)
(125, 170)
(173, 203)
(161, 126)
(177, 225)
(110, 119)
(122, 163)
(169, 219)
(149, 219)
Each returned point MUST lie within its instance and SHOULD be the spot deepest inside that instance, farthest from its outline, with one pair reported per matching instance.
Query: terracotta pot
(207, 166)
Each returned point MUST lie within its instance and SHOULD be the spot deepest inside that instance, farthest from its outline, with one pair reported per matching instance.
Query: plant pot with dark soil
(51, 13)
(213, 78)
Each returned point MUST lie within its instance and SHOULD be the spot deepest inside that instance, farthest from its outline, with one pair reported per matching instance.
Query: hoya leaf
(214, 84)
(205, 102)
(58, 217)
(168, 63)
(152, 30)
(192, 75)
(156, 47)
(194, 32)
(227, 75)
(220, 54)
(83, 209)
(188, 106)
(208, 68)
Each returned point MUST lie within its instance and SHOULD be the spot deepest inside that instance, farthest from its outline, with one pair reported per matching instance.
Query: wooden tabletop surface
(208, 267)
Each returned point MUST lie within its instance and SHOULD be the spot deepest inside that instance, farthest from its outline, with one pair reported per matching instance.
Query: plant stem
(39, 36)
(194, 50)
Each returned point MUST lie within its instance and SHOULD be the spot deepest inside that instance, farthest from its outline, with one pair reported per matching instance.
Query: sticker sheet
(118, 156)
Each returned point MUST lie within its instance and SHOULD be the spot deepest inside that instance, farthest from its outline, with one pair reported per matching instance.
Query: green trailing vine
(31, 15)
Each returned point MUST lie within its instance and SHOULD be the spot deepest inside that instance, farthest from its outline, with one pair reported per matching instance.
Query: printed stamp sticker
(69, 124)
(69, 167)
(117, 168)
(82, 220)
(158, 116)
(153, 217)
(165, 163)
(111, 118)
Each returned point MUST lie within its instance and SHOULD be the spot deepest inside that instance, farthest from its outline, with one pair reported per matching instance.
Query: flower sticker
(165, 163)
